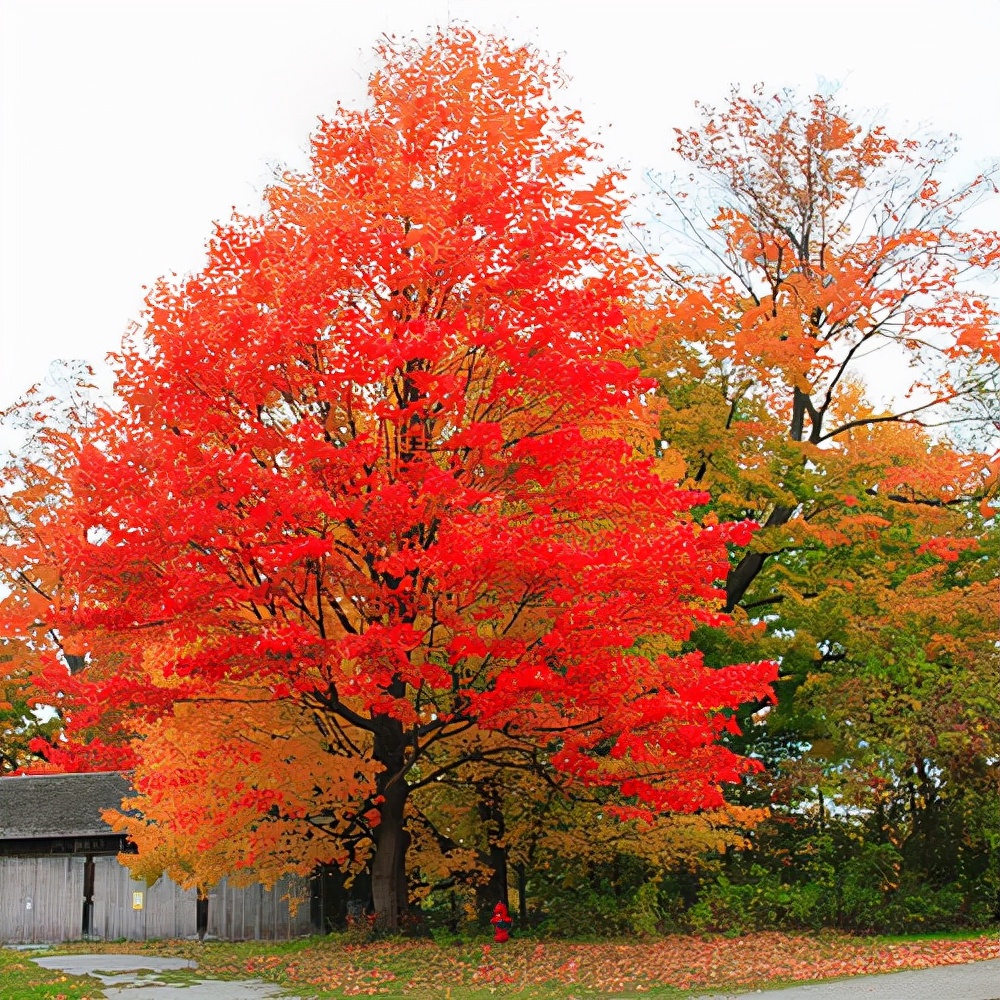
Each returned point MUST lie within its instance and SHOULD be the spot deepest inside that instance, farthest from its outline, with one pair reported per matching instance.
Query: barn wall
(255, 913)
(167, 910)
(54, 889)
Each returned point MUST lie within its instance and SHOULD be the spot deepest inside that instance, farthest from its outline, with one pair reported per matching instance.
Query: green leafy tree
(837, 254)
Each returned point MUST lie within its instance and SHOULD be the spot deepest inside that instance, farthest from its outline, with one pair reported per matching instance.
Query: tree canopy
(426, 509)
(832, 375)
(378, 499)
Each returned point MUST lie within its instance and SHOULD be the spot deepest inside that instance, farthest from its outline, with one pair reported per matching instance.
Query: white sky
(127, 128)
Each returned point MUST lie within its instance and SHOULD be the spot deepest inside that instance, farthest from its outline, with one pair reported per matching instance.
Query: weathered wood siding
(54, 887)
(255, 913)
(171, 912)
(41, 899)
(167, 910)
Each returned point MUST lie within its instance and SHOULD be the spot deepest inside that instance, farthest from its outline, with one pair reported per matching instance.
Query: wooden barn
(60, 878)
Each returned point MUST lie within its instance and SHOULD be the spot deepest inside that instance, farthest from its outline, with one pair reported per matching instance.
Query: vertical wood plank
(55, 887)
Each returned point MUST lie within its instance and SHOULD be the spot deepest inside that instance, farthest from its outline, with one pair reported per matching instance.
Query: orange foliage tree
(44, 428)
(832, 374)
(378, 476)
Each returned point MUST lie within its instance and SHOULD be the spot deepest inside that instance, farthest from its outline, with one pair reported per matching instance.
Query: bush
(865, 884)
(764, 903)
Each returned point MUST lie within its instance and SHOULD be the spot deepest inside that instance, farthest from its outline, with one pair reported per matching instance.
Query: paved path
(134, 977)
(974, 981)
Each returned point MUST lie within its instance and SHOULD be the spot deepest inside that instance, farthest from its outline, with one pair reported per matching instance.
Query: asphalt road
(974, 981)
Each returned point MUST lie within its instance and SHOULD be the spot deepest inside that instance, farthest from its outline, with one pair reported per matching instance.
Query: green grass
(962, 935)
(23, 979)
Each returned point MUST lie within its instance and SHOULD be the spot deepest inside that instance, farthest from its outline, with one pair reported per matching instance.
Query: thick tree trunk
(495, 890)
(388, 867)
(389, 893)
(490, 807)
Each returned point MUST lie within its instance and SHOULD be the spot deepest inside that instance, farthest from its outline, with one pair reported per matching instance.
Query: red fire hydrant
(501, 923)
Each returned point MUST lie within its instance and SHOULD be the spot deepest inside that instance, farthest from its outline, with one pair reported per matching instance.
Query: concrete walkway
(974, 981)
(136, 977)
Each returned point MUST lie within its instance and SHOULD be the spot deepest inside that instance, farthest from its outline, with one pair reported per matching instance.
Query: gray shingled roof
(59, 805)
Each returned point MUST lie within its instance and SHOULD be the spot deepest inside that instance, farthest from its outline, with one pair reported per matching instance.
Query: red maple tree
(382, 462)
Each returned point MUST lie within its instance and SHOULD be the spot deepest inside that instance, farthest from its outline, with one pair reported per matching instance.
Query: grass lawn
(669, 967)
(21, 979)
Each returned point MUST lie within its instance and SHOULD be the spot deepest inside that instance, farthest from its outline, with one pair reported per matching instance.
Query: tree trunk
(388, 867)
(495, 890)
(389, 862)
(522, 893)
(747, 570)
(490, 807)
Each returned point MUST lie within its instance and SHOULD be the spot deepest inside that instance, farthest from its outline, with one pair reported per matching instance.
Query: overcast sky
(127, 128)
